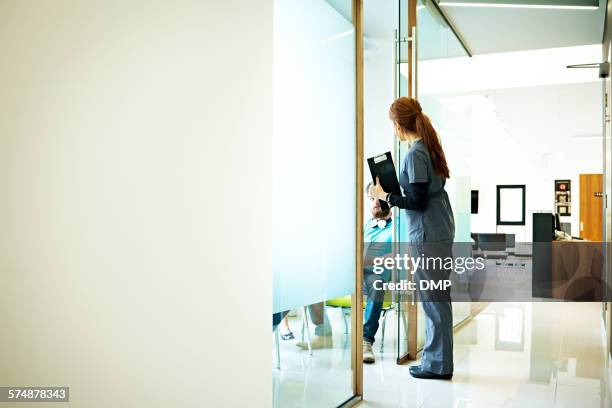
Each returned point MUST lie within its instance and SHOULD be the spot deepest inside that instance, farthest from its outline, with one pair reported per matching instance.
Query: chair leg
(303, 327)
(277, 341)
(404, 320)
(307, 329)
(382, 337)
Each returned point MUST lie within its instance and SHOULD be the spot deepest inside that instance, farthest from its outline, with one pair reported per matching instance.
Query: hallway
(510, 355)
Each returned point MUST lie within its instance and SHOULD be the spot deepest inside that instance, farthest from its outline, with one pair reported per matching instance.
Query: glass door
(607, 165)
(426, 36)
(405, 60)
(450, 115)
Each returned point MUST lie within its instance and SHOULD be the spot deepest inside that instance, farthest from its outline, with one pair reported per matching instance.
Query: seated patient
(377, 230)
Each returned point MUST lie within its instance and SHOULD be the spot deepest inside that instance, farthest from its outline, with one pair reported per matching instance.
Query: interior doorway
(591, 207)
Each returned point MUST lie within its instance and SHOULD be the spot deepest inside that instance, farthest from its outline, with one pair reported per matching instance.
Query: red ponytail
(407, 113)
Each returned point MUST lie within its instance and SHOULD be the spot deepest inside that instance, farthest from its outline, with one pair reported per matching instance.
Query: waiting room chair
(277, 344)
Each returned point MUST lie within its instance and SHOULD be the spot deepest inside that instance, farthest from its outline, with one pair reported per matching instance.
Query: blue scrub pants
(374, 305)
(437, 354)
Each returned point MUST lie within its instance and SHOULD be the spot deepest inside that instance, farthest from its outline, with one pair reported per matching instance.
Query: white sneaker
(368, 354)
(318, 342)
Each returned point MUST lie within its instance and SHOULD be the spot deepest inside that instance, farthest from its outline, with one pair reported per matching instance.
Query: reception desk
(577, 270)
(565, 270)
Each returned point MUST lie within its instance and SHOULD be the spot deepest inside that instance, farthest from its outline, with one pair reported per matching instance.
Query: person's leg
(437, 354)
(371, 316)
(319, 319)
(285, 324)
(323, 331)
(285, 330)
(277, 317)
(373, 307)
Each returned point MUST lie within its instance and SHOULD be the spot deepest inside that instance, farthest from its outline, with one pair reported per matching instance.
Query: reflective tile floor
(511, 355)
(322, 380)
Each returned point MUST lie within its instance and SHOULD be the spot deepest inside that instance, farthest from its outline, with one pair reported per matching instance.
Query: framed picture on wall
(563, 197)
(511, 204)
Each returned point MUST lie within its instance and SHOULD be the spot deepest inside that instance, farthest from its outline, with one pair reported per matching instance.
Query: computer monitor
(543, 227)
(492, 242)
(557, 223)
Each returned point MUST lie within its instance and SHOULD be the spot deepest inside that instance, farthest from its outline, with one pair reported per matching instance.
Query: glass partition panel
(435, 35)
(314, 153)
(451, 117)
(314, 190)
(385, 46)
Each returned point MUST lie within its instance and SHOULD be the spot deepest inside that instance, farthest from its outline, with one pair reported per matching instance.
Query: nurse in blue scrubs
(431, 228)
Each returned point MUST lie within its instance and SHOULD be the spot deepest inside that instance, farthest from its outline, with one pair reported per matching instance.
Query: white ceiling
(493, 30)
(506, 70)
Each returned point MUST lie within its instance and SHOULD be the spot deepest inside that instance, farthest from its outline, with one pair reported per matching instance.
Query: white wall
(380, 19)
(135, 142)
(513, 118)
(528, 136)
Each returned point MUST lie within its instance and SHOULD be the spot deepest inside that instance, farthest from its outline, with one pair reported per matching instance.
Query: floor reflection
(511, 355)
(323, 379)
(539, 355)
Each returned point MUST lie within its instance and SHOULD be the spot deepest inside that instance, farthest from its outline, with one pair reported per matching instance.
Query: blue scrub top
(436, 223)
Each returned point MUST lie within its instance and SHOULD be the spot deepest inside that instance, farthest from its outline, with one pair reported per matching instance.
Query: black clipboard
(382, 166)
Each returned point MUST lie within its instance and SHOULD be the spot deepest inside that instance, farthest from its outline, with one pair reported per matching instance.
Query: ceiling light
(526, 6)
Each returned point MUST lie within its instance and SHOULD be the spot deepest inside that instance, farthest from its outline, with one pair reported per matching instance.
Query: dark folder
(382, 166)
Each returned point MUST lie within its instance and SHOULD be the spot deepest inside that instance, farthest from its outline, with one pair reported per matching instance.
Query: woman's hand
(377, 191)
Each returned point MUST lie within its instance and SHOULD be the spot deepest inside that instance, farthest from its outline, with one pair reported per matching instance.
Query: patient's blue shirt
(378, 242)
(374, 233)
